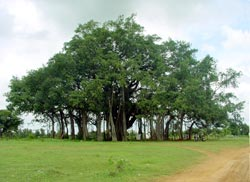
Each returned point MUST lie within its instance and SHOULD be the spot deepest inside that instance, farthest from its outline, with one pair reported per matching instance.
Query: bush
(25, 133)
(119, 167)
(92, 136)
(132, 136)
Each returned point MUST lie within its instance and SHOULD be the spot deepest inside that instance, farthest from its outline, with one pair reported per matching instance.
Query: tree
(112, 73)
(9, 121)
(118, 54)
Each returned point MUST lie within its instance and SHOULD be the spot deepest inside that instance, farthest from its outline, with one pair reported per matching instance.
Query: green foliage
(238, 128)
(9, 122)
(119, 166)
(25, 133)
(92, 136)
(132, 135)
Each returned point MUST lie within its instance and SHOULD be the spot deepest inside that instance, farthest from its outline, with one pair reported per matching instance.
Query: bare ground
(227, 166)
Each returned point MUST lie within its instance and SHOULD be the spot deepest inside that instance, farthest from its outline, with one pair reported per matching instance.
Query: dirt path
(227, 166)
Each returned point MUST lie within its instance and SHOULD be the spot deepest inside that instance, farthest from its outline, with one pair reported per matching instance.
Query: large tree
(112, 73)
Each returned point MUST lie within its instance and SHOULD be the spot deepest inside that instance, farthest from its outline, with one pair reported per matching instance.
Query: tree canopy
(113, 74)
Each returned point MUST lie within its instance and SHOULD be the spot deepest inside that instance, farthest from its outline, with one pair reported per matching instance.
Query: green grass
(57, 160)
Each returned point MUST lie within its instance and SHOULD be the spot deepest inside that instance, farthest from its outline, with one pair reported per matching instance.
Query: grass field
(57, 160)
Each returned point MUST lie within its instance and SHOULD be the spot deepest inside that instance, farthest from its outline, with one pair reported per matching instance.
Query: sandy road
(227, 166)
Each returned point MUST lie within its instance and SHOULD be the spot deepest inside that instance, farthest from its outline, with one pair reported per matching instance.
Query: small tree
(9, 121)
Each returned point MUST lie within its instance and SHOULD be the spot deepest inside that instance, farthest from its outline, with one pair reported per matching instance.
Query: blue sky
(32, 31)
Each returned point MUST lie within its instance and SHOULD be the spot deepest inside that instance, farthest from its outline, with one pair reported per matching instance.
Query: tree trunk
(111, 121)
(157, 129)
(78, 121)
(152, 131)
(53, 126)
(72, 125)
(67, 129)
(190, 131)
(118, 122)
(166, 131)
(98, 127)
(62, 124)
(80, 132)
(160, 127)
(84, 125)
(107, 131)
(145, 130)
(124, 124)
(140, 128)
(181, 124)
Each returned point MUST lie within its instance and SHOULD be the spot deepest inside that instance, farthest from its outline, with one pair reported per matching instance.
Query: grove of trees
(112, 75)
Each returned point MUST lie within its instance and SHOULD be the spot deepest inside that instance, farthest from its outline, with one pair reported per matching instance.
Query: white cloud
(33, 30)
(26, 16)
(207, 48)
(234, 52)
(236, 38)
(26, 43)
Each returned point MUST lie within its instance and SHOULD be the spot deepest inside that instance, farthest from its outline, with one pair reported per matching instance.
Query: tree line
(112, 75)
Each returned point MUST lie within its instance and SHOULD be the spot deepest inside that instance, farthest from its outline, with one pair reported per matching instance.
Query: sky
(32, 31)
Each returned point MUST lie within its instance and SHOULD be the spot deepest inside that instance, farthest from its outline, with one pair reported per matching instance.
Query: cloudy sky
(32, 31)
